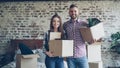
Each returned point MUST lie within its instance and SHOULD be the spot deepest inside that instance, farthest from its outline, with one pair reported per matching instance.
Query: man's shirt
(72, 32)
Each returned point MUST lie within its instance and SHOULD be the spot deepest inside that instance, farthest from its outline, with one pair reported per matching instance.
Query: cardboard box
(94, 32)
(26, 61)
(55, 35)
(94, 52)
(63, 48)
(97, 64)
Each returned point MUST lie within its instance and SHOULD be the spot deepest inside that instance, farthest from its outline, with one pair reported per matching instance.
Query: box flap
(31, 56)
(55, 35)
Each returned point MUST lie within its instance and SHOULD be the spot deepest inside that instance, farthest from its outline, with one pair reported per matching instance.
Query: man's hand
(94, 40)
(99, 40)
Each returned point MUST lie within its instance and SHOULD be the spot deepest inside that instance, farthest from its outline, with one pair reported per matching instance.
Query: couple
(70, 31)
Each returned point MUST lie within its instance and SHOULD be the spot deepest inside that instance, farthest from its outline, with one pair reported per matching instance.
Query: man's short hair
(73, 5)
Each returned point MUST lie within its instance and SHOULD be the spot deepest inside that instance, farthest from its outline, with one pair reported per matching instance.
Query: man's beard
(74, 17)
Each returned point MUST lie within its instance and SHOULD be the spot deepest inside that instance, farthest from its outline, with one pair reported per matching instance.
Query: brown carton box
(63, 48)
(26, 61)
(97, 64)
(93, 33)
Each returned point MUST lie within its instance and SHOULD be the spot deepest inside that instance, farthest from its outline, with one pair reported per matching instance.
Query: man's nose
(72, 13)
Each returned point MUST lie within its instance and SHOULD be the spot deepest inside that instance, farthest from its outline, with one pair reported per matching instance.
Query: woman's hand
(49, 53)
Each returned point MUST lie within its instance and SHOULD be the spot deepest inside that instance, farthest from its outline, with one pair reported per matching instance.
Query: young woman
(50, 60)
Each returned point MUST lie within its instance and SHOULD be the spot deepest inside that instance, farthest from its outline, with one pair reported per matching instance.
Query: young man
(72, 32)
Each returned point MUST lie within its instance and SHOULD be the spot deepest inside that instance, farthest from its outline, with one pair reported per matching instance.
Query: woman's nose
(55, 23)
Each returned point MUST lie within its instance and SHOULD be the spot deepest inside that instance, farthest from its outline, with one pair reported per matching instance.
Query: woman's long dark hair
(51, 24)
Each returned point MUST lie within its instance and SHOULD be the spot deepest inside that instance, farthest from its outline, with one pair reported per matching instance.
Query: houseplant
(115, 43)
(93, 21)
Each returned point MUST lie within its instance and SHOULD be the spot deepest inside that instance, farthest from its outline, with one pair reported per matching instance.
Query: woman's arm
(46, 45)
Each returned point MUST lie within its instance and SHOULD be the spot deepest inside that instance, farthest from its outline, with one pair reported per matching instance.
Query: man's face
(73, 12)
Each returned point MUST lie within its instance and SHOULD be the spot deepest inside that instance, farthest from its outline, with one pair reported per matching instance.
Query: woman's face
(56, 22)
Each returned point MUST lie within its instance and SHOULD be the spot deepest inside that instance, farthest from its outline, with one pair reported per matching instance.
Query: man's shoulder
(82, 20)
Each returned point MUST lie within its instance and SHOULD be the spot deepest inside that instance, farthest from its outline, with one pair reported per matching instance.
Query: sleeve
(46, 46)
(64, 31)
(85, 23)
